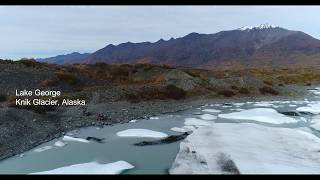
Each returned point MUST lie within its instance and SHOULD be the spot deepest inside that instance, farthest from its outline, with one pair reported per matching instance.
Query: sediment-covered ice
(43, 149)
(91, 168)
(196, 122)
(208, 117)
(73, 139)
(212, 110)
(266, 115)
(146, 133)
(312, 108)
(248, 148)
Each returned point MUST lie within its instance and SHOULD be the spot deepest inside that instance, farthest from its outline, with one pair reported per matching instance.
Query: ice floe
(312, 108)
(315, 123)
(196, 122)
(45, 148)
(212, 110)
(208, 117)
(73, 139)
(177, 129)
(190, 128)
(60, 144)
(133, 121)
(91, 168)
(154, 118)
(146, 133)
(265, 104)
(238, 104)
(248, 148)
(266, 115)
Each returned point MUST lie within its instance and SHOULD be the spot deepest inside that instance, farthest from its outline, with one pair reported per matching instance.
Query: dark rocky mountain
(264, 45)
(74, 57)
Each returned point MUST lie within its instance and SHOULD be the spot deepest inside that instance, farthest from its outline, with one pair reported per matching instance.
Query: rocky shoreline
(38, 129)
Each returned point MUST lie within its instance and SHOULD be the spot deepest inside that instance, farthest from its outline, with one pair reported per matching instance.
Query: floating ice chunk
(60, 144)
(196, 122)
(91, 168)
(43, 149)
(20, 155)
(190, 128)
(73, 139)
(177, 129)
(239, 104)
(312, 108)
(133, 121)
(154, 117)
(292, 105)
(208, 117)
(316, 92)
(146, 133)
(316, 122)
(248, 149)
(212, 110)
(262, 104)
(266, 115)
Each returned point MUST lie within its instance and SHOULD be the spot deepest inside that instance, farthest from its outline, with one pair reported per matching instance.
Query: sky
(43, 31)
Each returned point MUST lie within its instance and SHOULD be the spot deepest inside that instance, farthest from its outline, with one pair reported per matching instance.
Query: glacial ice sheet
(146, 133)
(266, 115)
(248, 148)
(91, 168)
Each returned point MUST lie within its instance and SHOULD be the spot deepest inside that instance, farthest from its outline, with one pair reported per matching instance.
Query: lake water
(156, 159)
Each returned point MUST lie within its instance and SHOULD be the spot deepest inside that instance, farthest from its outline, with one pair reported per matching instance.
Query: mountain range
(260, 46)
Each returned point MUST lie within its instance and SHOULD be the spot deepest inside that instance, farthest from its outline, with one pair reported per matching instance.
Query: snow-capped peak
(261, 26)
